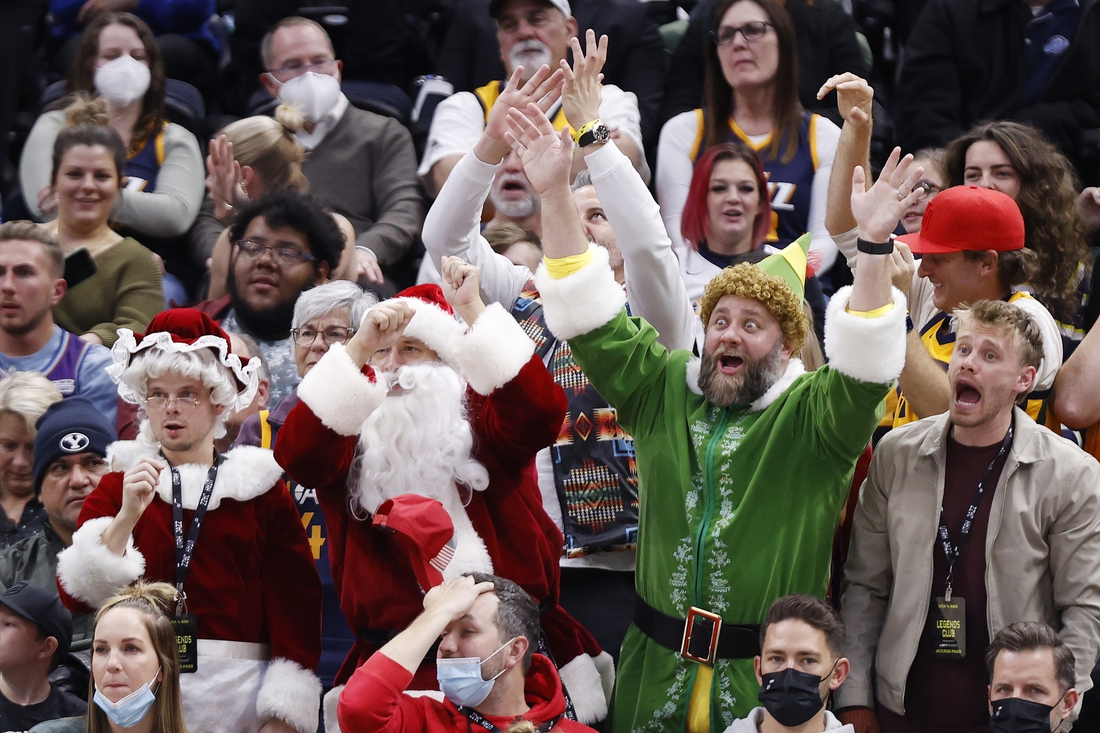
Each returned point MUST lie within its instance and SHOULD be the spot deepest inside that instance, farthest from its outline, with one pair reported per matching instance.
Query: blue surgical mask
(461, 681)
(130, 710)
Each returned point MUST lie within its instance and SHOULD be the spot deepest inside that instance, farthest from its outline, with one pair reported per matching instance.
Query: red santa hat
(182, 330)
(433, 320)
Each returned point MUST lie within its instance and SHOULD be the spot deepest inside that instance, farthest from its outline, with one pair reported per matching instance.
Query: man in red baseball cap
(972, 242)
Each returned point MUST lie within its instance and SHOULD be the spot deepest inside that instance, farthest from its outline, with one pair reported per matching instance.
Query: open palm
(547, 155)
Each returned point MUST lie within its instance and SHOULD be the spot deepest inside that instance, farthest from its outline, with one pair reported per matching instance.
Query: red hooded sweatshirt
(373, 701)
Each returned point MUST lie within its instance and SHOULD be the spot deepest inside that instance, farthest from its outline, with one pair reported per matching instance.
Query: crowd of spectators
(531, 365)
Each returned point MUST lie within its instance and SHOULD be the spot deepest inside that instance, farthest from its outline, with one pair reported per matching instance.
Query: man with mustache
(532, 34)
(744, 460)
(283, 244)
(417, 403)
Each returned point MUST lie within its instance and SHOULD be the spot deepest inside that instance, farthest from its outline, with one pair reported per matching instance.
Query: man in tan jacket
(968, 522)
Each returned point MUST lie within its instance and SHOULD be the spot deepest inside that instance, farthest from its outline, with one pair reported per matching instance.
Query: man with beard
(416, 403)
(744, 460)
(533, 35)
(31, 284)
(283, 244)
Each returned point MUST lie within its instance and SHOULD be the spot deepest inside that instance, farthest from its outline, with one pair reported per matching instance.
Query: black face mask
(1016, 715)
(792, 697)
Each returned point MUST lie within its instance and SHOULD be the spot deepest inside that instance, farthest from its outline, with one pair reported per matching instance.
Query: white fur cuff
(332, 700)
(493, 351)
(866, 349)
(582, 680)
(339, 394)
(90, 572)
(291, 694)
(583, 301)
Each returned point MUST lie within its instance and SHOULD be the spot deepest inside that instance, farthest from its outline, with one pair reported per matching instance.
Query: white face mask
(122, 80)
(313, 94)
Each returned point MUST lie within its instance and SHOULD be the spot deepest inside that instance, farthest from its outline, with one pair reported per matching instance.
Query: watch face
(602, 133)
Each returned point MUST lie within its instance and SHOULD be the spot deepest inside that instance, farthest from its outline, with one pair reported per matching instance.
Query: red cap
(968, 218)
(423, 528)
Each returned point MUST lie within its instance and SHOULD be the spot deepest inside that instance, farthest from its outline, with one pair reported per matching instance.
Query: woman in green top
(88, 160)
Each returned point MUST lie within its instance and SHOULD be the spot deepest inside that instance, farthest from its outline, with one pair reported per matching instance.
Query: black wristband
(874, 248)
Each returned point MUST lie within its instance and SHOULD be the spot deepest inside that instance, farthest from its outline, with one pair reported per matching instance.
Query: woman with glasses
(124, 291)
(160, 187)
(223, 529)
(248, 158)
(751, 95)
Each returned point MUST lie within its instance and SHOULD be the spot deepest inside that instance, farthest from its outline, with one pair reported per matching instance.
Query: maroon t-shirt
(945, 694)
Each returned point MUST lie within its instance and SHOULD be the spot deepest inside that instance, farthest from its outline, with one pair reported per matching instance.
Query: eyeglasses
(751, 31)
(284, 254)
(930, 189)
(331, 335)
(185, 403)
(294, 69)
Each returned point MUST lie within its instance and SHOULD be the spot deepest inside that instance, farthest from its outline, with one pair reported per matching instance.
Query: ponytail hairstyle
(86, 123)
(155, 602)
(269, 147)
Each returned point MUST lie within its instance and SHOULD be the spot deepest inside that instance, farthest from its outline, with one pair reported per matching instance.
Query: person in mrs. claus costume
(251, 583)
(418, 403)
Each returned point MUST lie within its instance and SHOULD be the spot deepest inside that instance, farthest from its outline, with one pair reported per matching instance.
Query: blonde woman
(24, 397)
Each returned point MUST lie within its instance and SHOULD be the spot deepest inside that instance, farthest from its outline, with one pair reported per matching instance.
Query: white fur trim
(331, 701)
(583, 301)
(439, 330)
(586, 688)
(866, 349)
(493, 351)
(470, 554)
(605, 665)
(246, 473)
(127, 346)
(691, 373)
(90, 572)
(291, 694)
(795, 369)
(430, 694)
(339, 393)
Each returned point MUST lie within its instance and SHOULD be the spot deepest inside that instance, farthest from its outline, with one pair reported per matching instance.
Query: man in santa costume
(222, 528)
(418, 403)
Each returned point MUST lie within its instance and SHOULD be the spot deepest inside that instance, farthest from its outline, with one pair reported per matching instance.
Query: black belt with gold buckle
(701, 637)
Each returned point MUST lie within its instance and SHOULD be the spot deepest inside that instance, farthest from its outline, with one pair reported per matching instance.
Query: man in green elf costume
(744, 459)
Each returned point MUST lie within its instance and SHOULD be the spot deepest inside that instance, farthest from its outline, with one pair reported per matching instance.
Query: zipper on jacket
(708, 511)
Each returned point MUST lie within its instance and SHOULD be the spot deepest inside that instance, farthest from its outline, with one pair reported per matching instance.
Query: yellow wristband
(876, 313)
(585, 128)
(565, 266)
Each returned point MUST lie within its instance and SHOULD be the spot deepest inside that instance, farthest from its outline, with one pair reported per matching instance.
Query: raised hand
(878, 209)
(546, 154)
(462, 288)
(581, 91)
(853, 97)
(223, 179)
(139, 486)
(902, 267)
(543, 89)
(1089, 203)
(453, 599)
(380, 329)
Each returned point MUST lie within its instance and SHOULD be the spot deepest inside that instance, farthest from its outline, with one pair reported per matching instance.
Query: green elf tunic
(738, 506)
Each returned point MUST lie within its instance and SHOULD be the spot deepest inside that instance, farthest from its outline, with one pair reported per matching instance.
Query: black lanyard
(476, 717)
(950, 551)
(184, 550)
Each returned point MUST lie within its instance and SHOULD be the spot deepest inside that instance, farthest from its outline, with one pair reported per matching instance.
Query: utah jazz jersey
(789, 184)
(143, 166)
(939, 340)
(488, 94)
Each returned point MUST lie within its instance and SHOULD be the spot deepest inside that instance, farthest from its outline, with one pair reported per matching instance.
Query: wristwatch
(593, 132)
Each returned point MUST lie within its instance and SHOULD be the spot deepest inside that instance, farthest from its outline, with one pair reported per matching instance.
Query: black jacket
(965, 64)
(470, 56)
(827, 45)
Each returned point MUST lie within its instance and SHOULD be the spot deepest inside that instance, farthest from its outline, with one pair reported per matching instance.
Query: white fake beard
(416, 442)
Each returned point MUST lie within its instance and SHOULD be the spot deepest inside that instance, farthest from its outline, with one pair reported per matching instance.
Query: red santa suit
(252, 583)
(514, 410)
